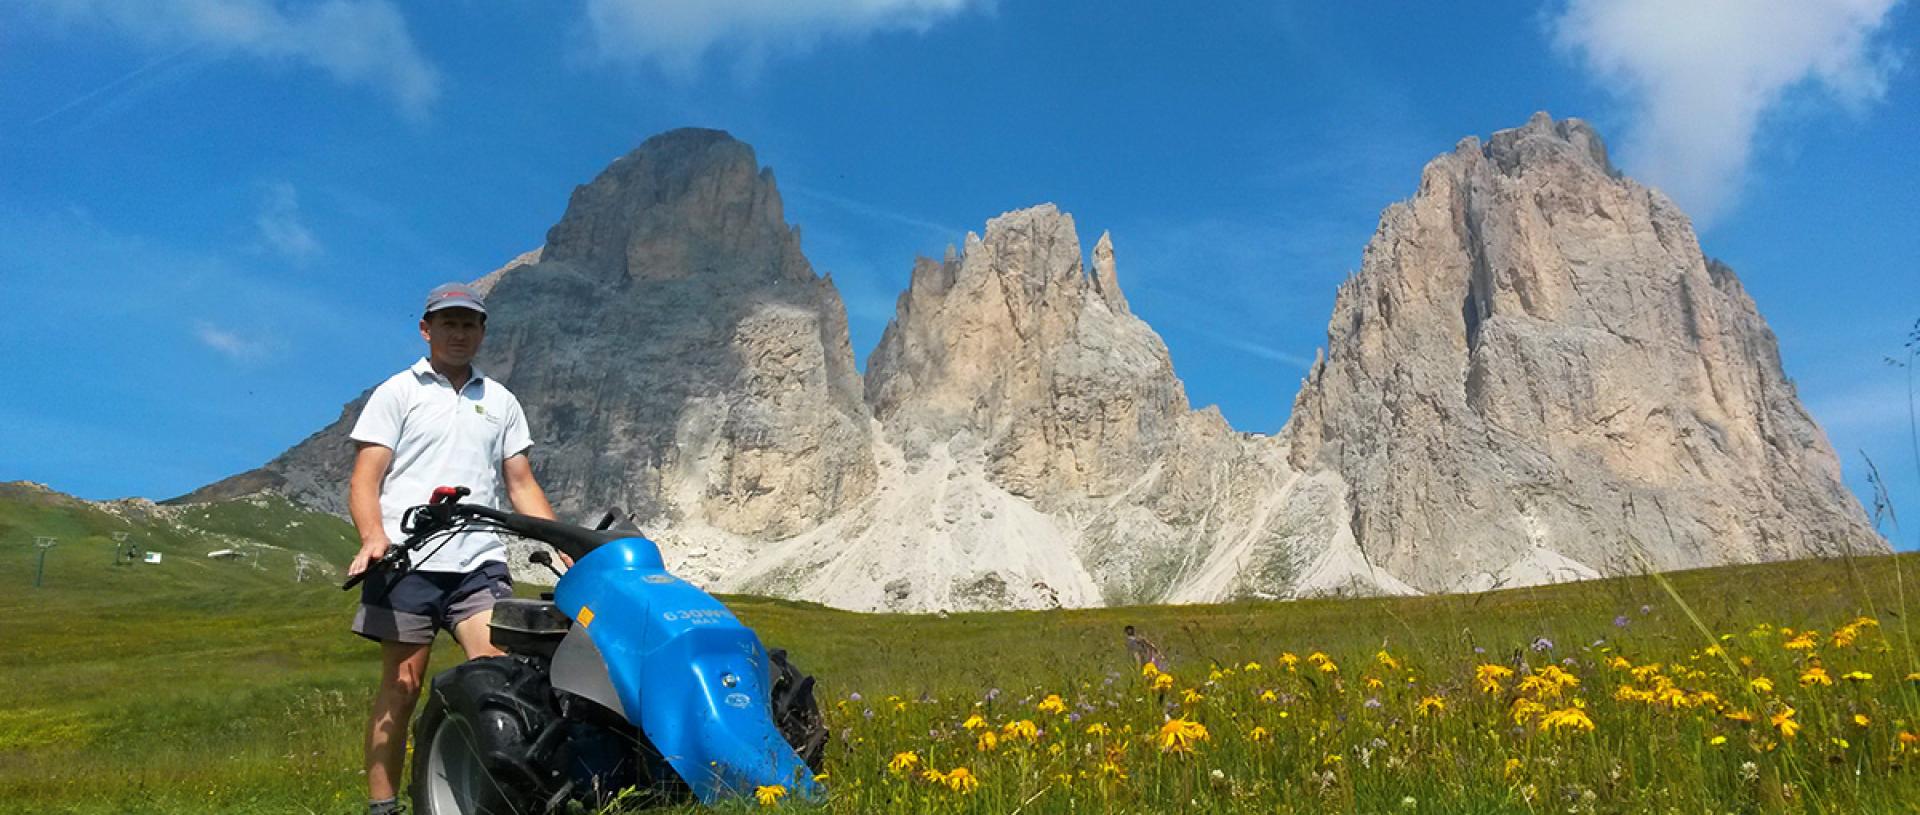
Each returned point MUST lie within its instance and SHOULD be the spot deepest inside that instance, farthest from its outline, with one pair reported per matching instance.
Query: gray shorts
(412, 607)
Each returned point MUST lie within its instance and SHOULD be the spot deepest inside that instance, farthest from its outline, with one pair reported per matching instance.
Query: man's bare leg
(402, 668)
(476, 637)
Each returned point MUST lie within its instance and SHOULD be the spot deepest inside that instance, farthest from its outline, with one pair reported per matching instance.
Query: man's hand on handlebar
(372, 549)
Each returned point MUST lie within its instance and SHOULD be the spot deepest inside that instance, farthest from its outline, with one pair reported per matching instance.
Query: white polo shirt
(440, 437)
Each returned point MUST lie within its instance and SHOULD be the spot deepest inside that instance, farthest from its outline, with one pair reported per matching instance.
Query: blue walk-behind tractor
(627, 678)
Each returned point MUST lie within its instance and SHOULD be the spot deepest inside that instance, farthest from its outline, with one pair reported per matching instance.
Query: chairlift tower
(43, 543)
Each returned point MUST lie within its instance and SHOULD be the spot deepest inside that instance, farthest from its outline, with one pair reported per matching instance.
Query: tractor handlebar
(444, 512)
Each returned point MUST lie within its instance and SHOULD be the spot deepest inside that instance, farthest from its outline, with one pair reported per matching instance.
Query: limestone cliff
(1537, 375)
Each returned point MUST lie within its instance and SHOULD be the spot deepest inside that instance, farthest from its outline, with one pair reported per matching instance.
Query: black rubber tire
(796, 712)
(471, 744)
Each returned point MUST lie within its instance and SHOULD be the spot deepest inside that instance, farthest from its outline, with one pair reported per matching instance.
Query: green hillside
(269, 534)
(202, 686)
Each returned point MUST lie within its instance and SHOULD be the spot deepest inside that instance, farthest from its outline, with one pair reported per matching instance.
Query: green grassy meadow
(195, 686)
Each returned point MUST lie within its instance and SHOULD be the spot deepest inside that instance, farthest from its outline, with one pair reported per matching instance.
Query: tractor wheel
(471, 746)
(795, 712)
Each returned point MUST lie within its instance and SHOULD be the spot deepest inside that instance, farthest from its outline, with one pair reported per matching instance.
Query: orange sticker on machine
(586, 616)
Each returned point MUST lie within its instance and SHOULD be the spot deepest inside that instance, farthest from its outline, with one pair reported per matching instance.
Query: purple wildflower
(1542, 644)
(1621, 621)
(854, 696)
(1372, 703)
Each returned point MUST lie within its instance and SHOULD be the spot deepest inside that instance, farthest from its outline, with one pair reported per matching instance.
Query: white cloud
(1699, 76)
(234, 346)
(281, 226)
(676, 35)
(354, 41)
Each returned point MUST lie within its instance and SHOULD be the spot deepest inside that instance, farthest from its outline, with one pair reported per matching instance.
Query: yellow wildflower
(1289, 660)
(1908, 739)
(1717, 740)
(1432, 704)
(974, 722)
(1513, 766)
(1784, 721)
(1317, 657)
(1022, 729)
(1109, 767)
(768, 796)
(1816, 675)
(962, 781)
(1525, 709)
(1741, 715)
(1328, 667)
(1257, 734)
(988, 741)
(1913, 677)
(1761, 684)
(1857, 676)
(1190, 696)
(1180, 735)
(1268, 696)
(1862, 720)
(903, 763)
(1387, 660)
(1052, 704)
(1098, 729)
(1490, 677)
(1572, 718)
(1163, 682)
(1804, 642)
(1149, 670)
(934, 776)
(1252, 667)
(1547, 682)
(1374, 683)
(1644, 672)
(1619, 664)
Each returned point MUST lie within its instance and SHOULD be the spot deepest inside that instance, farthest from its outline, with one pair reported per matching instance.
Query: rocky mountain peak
(685, 202)
(1536, 375)
(1542, 142)
(1536, 372)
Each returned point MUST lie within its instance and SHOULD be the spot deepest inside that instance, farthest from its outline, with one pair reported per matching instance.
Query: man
(441, 422)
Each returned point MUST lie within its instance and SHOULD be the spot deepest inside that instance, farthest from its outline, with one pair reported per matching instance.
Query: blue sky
(217, 217)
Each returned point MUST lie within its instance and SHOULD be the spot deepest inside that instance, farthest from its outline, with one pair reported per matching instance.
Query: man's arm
(370, 465)
(522, 490)
(525, 493)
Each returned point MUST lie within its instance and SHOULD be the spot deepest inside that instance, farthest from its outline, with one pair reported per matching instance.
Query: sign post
(43, 543)
(119, 547)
